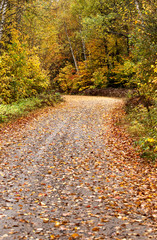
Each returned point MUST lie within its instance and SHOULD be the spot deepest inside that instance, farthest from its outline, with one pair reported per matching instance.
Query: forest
(75, 45)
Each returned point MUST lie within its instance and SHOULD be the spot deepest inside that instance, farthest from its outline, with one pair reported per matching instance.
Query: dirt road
(58, 180)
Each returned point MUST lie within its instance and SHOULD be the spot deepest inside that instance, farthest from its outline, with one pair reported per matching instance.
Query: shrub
(143, 126)
(65, 78)
(23, 106)
(99, 79)
(21, 74)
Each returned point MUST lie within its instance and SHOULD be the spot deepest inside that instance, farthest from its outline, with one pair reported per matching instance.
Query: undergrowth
(24, 106)
(142, 125)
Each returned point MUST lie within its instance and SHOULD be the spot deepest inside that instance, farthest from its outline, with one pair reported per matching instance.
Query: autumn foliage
(80, 44)
(20, 72)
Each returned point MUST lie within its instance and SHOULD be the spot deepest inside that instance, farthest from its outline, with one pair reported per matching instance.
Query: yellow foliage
(151, 140)
(99, 79)
(65, 78)
(20, 72)
(83, 78)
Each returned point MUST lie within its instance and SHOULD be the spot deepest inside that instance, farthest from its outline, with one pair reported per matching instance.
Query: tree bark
(139, 11)
(72, 52)
(83, 43)
(84, 48)
(3, 8)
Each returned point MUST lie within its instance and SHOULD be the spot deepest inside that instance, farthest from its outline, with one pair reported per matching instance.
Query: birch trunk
(3, 8)
(72, 52)
(139, 11)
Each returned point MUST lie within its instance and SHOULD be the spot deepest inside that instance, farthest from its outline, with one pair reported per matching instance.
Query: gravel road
(57, 181)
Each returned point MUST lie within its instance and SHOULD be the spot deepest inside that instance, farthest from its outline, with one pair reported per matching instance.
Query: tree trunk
(3, 8)
(84, 48)
(83, 43)
(72, 52)
(139, 11)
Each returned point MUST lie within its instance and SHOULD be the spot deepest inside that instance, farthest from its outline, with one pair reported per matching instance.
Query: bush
(65, 78)
(143, 126)
(23, 106)
(21, 74)
(99, 79)
(49, 99)
(70, 81)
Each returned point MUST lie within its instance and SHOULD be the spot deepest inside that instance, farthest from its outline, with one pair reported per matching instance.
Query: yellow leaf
(155, 150)
(74, 236)
(57, 224)
(95, 229)
(52, 237)
(45, 220)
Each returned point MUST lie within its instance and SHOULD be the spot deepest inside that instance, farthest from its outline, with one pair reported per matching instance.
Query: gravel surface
(57, 181)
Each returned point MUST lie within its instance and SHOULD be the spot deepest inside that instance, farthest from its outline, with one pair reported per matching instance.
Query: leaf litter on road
(69, 173)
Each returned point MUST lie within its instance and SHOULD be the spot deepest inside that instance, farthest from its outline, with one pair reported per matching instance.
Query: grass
(24, 106)
(142, 125)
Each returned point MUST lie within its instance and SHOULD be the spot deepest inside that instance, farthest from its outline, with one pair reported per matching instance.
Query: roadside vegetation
(22, 107)
(141, 122)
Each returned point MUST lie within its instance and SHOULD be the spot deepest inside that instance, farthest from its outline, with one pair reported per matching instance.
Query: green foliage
(23, 106)
(149, 148)
(17, 109)
(142, 125)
